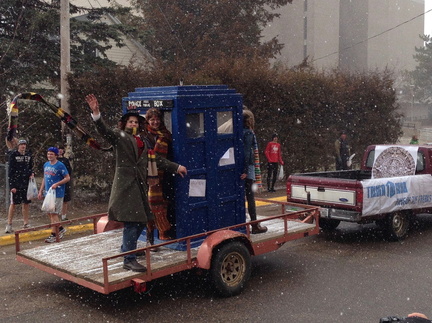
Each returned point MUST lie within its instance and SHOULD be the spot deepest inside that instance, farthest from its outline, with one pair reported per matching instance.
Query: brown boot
(164, 236)
(257, 228)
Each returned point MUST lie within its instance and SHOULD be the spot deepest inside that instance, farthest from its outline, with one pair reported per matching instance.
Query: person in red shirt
(273, 154)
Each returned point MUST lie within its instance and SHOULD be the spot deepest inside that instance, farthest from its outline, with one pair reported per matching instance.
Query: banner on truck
(385, 195)
(394, 161)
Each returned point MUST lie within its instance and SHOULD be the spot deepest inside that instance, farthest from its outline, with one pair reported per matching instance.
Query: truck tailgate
(323, 195)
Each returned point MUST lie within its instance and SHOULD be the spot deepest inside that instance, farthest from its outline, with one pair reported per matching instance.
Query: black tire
(230, 268)
(397, 225)
(328, 225)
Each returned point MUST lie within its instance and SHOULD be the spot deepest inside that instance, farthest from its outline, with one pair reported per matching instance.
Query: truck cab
(423, 158)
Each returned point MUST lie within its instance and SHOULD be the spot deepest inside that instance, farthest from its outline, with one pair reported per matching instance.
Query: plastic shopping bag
(32, 191)
(48, 204)
(349, 162)
(281, 173)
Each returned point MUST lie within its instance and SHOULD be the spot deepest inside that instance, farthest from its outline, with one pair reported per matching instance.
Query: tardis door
(212, 196)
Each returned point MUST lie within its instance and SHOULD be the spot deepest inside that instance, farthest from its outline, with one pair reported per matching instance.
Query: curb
(38, 235)
(279, 199)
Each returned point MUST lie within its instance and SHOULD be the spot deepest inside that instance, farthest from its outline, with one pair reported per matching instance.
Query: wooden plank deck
(82, 257)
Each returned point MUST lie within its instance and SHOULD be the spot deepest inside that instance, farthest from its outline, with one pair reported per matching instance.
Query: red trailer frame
(93, 261)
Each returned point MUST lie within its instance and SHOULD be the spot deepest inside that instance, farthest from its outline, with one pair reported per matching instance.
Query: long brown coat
(128, 200)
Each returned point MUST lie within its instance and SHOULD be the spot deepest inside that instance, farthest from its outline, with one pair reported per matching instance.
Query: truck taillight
(359, 198)
(288, 190)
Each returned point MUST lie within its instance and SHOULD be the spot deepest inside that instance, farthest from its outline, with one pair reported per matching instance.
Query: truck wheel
(230, 268)
(398, 224)
(328, 224)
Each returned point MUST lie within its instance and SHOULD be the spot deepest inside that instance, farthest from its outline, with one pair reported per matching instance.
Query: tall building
(355, 35)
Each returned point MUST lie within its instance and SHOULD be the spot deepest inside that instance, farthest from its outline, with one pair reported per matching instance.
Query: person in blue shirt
(55, 176)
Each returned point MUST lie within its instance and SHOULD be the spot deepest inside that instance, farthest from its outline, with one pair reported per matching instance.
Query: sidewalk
(37, 218)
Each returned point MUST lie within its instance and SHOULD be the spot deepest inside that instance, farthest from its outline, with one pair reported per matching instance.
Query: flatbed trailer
(94, 261)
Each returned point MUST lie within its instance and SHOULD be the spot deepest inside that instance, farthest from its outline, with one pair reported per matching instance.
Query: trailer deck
(95, 261)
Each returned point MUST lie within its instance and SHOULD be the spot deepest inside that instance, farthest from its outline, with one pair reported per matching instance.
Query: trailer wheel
(230, 268)
(328, 224)
(397, 225)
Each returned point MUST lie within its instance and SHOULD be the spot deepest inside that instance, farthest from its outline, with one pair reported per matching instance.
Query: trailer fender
(205, 251)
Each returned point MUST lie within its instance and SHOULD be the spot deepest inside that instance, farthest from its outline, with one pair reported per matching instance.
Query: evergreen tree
(30, 43)
(194, 32)
(422, 75)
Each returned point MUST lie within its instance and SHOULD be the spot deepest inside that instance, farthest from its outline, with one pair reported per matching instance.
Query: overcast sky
(428, 18)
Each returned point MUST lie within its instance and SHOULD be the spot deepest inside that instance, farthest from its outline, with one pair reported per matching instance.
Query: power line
(367, 39)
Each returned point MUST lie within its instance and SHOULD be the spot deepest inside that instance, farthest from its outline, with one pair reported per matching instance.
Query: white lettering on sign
(134, 104)
(386, 195)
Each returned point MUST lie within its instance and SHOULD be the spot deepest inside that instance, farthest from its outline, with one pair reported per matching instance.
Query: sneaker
(26, 226)
(51, 238)
(9, 228)
(64, 217)
(62, 232)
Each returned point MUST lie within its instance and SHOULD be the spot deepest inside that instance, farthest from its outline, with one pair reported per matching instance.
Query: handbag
(48, 204)
(32, 191)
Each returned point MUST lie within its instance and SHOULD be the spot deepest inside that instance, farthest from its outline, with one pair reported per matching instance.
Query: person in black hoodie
(20, 172)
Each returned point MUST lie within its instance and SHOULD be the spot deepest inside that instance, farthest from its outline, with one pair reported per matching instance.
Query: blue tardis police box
(207, 129)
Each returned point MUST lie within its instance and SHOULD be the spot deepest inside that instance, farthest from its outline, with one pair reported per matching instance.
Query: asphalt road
(352, 275)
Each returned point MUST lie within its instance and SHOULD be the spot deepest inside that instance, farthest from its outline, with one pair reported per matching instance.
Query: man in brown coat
(128, 201)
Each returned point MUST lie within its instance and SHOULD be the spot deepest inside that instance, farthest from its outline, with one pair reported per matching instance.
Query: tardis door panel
(213, 182)
(190, 149)
(228, 203)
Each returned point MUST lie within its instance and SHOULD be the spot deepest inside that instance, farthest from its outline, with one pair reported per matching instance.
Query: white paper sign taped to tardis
(393, 161)
(385, 195)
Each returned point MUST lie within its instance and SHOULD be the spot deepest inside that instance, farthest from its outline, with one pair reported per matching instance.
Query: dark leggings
(250, 198)
(272, 169)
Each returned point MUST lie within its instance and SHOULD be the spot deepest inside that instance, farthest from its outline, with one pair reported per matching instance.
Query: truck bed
(357, 175)
(95, 261)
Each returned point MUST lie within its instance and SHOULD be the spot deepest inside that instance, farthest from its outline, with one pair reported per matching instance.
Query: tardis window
(195, 125)
(224, 122)
(167, 120)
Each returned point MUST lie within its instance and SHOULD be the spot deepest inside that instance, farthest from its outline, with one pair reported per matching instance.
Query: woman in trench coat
(128, 201)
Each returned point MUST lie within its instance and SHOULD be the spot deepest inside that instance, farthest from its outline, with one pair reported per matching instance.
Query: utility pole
(65, 67)
(64, 53)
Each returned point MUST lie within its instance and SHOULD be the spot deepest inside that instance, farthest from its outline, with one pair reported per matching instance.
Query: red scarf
(140, 145)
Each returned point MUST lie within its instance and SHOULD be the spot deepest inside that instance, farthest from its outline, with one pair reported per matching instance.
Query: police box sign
(147, 104)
